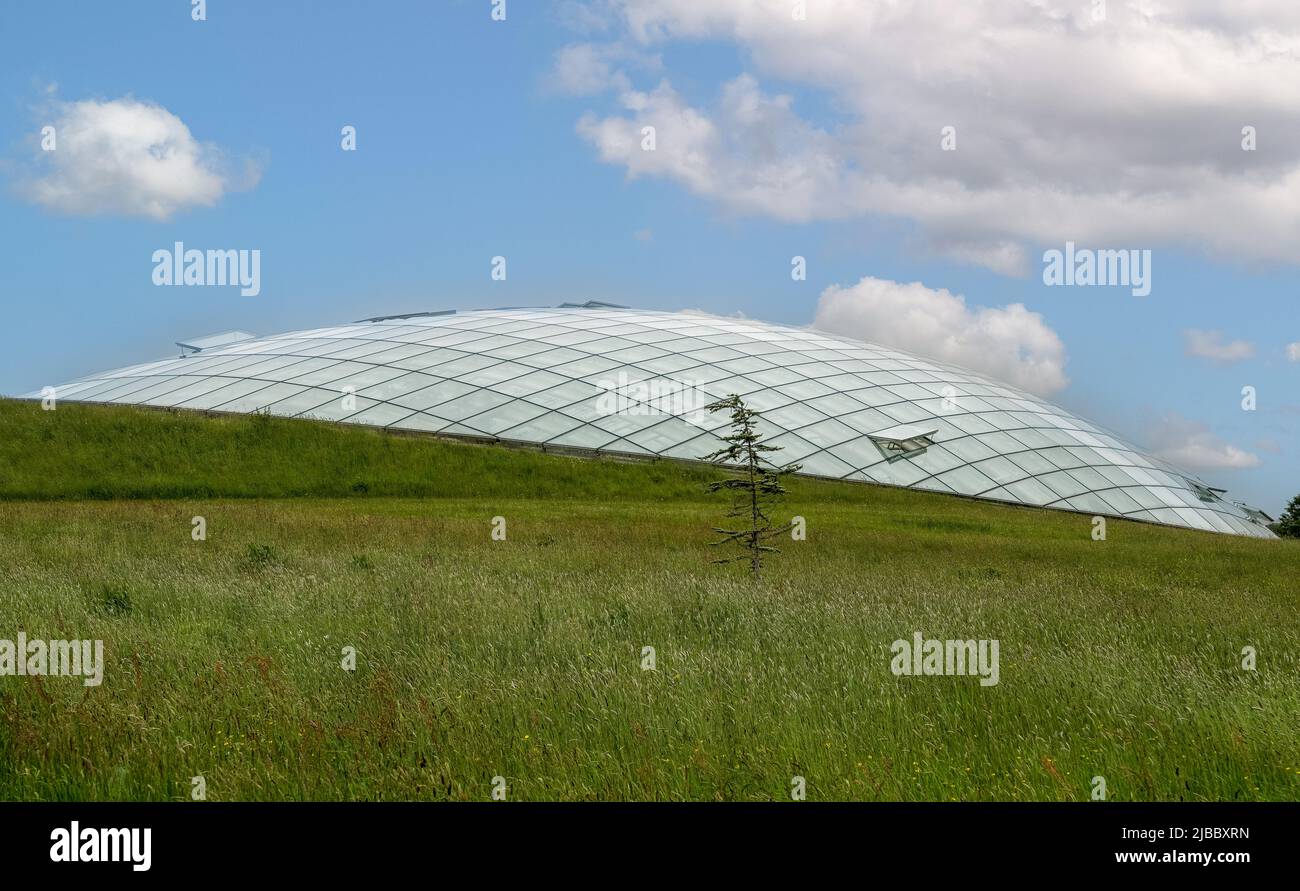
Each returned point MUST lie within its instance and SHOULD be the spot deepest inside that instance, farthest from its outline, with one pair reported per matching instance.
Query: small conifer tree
(755, 491)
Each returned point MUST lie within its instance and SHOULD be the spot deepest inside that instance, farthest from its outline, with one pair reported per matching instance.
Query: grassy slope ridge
(522, 658)
(114, 452)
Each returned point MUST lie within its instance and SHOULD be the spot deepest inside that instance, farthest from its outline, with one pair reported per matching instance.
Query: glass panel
(805, 389)
(327, 373)
(541, 429)
(423, 422)
(584, 437)
(793, 448)
(1031, 492)
(380, 415)
(303, 403)
(589, 366)
(1119, 501)
(566, 394)
(1000, 470)
(896, 473)
(859, 452)
(905, 413)
(433, 395)
(470, 404)
(219, 395)
(828, 433)
(138, 390)
(970, 423)
(967, 481)
(259, 399)
(529, 382)
(825, 464)
(1089, 503)
(970, 449)
(366, 376)
(464, 366)
(935, 460)
(399, 386)
(663, 435)
(868, 421)
(505, 416)
(1062, 484)
(793, 416)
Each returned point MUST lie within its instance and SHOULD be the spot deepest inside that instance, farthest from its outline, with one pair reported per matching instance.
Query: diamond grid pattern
(535, 376)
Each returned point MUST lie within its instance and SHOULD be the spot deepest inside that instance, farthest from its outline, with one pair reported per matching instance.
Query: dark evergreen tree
(756, 489)
(1288, 525)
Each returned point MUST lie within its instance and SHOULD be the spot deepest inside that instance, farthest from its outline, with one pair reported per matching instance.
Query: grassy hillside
(113, 452)
(523, 658)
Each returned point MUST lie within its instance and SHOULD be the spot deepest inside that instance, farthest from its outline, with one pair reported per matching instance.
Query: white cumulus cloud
(1293, 351)
(1008, 343)
(1193, 446)
(129, 158)
(1122, 132)
(1211, 345)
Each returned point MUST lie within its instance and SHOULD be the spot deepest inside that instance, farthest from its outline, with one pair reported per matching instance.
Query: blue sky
(469, 146)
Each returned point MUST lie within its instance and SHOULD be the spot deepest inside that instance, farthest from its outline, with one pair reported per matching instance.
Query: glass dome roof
(632, 382)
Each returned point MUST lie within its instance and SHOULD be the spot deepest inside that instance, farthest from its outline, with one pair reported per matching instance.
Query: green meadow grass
(523, 658)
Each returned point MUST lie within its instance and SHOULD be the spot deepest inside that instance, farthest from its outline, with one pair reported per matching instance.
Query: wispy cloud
(1212, 346)
(586, 69)
(1192, 445)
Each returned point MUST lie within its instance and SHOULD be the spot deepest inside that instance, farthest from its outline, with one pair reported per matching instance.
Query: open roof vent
(904, 440)
(1204, 492)
(1254, 514)
(409, 315)
(199, 344)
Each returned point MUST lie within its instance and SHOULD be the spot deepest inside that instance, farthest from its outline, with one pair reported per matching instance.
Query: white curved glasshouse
(613, 380)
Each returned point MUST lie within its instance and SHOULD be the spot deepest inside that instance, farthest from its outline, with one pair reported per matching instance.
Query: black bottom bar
(330, 841)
